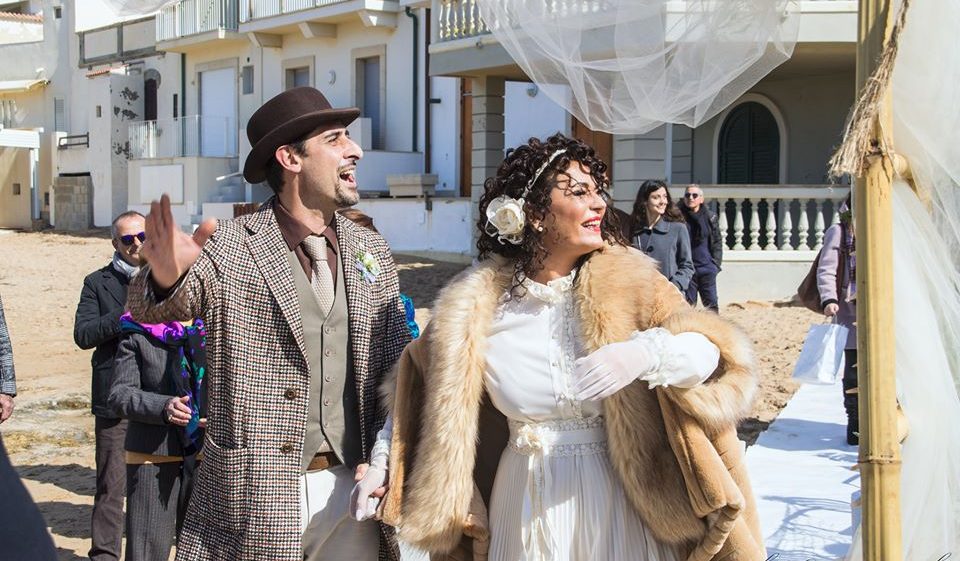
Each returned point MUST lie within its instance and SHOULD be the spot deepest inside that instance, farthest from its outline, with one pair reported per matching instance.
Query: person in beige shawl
(565, 403)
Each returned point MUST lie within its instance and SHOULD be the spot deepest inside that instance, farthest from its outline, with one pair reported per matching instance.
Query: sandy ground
(50, 436)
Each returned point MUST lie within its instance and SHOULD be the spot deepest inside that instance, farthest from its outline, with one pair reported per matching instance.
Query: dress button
(286, 447)
(327, 352)
(290, 394)
(327, 330)
(326, 401)
(327, 379)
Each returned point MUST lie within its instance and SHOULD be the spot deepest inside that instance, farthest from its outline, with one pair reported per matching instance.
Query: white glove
(655, 356)
(363, 504)
(612, 367)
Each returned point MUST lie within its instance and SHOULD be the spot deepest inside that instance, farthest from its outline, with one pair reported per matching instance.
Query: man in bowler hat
(303, 321)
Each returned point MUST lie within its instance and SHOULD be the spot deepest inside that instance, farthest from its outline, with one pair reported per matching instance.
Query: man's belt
(323, 460)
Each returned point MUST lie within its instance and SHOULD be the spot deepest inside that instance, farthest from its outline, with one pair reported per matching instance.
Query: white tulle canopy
(632, 65)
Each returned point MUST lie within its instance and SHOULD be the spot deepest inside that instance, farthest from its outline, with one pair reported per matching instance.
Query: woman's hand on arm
(655, 356)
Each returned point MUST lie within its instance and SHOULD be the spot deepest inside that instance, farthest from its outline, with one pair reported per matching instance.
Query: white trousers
(329, 532)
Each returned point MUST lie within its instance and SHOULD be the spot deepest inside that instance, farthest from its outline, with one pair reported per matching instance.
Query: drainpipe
(416, 74)
(183, 100)
(427, 92)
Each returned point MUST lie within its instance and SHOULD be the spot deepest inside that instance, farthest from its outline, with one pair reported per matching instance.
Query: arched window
(749, 146)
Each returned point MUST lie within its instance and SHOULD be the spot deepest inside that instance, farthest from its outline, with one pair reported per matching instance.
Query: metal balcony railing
(191, 136)
(192, 17)
(255, 9)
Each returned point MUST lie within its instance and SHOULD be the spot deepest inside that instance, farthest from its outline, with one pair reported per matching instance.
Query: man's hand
(831, 310)
(370, 488)
(6, 407)
(177, 412)
(169, 250)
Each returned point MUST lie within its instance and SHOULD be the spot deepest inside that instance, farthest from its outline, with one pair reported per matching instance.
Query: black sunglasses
(128, 239)
(691, 195)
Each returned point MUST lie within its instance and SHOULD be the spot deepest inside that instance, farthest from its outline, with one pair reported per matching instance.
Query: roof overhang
(20, 86)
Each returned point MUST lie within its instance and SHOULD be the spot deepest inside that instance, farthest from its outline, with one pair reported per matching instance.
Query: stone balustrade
(773, 218)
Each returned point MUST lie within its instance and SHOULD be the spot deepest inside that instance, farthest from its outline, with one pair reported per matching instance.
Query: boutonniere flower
(368, 265)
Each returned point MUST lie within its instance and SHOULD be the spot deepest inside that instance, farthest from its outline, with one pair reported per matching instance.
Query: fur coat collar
(674, 450)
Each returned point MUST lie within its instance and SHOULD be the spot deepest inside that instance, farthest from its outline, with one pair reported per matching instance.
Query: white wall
(781, 275)
(376, 165)
(14, 168)
(409, 227)
(91, 14)
(12, 31)
(537, 115)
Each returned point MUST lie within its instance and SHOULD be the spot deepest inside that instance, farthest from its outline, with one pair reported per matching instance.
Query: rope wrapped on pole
(859, 140)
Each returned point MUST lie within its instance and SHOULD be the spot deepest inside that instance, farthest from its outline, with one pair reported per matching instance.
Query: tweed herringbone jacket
(245, 505)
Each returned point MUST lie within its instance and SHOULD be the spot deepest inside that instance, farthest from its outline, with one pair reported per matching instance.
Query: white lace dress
(556, 496)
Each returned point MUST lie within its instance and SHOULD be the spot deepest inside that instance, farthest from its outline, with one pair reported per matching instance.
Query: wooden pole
(879, 448)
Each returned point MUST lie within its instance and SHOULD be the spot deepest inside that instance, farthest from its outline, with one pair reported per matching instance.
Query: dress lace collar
(553, 291)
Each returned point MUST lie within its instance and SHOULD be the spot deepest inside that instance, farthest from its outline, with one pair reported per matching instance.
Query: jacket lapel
(359, 300)
(269, 252)
(114, 286)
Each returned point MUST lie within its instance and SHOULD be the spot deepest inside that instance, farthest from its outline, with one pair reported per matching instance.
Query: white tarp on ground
(800, 471)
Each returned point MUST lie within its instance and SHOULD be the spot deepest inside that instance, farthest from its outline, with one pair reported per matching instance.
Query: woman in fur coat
(564, 402)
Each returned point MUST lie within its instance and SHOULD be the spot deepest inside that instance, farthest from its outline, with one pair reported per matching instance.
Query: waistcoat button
(290, 393)
(286, 447)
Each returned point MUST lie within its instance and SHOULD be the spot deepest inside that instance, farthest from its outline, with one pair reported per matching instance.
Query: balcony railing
(255, 9)
(192, 17)
(458, 19)
(192, 136)
(784, 218)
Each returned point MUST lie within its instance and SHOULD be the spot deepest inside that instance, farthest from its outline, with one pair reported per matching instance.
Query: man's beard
(345, 197)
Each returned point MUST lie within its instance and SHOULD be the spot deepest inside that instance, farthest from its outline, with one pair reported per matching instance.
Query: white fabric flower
(505, 219)
(529, 440)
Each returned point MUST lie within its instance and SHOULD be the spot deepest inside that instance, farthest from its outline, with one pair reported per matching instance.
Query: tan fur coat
(675, 450)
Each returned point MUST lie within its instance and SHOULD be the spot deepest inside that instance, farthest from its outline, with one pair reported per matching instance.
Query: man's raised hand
(169, 250)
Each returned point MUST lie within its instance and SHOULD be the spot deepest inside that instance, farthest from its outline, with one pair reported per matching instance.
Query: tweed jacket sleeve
(8, 378)
(192, 295)
(127, 398)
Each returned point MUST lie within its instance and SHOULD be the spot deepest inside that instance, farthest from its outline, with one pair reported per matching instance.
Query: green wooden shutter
(749, 146)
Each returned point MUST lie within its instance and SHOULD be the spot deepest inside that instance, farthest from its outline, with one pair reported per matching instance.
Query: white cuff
(380, 453)
(683, 360)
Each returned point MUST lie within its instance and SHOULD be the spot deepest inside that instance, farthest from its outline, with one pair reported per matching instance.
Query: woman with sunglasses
(658, 230)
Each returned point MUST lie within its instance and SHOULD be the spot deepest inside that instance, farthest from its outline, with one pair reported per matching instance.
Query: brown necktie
(322, 280)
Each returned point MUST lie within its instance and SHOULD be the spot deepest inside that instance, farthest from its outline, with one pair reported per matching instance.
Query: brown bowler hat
(287, 118)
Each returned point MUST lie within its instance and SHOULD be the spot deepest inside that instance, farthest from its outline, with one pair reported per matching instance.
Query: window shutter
(749, 146)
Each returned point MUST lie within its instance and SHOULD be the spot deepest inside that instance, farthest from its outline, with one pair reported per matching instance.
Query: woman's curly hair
(513, 175)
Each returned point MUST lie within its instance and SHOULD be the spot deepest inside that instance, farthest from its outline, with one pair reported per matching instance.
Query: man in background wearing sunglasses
(706, 244)
(97, 326)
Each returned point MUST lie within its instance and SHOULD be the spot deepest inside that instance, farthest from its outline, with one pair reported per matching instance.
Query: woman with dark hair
(659, 231)
(565, 403)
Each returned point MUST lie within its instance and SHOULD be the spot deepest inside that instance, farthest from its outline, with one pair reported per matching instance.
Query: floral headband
(505, 216)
